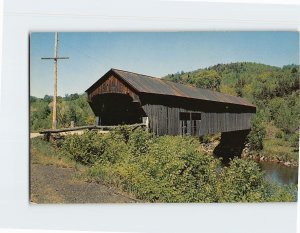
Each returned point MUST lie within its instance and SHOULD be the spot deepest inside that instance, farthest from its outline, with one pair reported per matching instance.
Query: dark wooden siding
(165, 120)
(112, 84)
(224, 122)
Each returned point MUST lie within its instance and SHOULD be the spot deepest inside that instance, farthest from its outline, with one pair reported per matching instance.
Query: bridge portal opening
(117, 109)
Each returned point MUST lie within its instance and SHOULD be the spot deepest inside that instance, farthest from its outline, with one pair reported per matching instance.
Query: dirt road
(34, 135)
(52, 184)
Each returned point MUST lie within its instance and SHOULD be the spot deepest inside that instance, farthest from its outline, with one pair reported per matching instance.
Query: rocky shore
(247, 153)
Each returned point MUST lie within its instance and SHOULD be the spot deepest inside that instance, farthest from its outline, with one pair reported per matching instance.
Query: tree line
(73, 107)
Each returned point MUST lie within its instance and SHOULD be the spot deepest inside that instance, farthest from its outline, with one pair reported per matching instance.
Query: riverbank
(262, 158)
(274, 151)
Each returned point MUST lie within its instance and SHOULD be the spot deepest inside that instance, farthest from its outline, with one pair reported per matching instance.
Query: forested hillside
(275, 92)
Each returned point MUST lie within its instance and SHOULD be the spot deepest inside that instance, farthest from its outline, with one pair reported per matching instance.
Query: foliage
(140, 142)
(285, 115)
(47, 98)
(257, 134)
(280, 149)
(279, 134)
(242, 181)
(40, 114)
(167, 168)
(294, 140)
(86, 149)
(72, 107)
(209, 79)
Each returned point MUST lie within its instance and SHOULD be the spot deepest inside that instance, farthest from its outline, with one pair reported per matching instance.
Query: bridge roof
(147, 84)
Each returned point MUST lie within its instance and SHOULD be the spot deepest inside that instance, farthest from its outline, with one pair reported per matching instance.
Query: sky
(156, 54)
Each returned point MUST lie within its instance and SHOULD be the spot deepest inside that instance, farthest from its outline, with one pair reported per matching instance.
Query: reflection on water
(279, 173)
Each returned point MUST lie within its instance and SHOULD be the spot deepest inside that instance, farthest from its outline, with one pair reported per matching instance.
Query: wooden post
(55, 82)
(55, 58)
(146, 122)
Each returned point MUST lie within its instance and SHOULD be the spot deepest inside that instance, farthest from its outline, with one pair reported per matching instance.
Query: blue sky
(152, 53)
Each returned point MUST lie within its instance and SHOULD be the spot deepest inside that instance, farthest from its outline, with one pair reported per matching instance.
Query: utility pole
(55, 58)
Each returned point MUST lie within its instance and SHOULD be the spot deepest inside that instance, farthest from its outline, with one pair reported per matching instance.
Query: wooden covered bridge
(122, 97)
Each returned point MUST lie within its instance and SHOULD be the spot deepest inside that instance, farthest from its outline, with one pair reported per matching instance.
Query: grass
(45, 153)
(280, 149)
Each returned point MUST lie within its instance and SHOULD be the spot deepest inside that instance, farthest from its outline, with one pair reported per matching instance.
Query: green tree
(257, 133)
(285, 115)
(48, 98)
(209, 79)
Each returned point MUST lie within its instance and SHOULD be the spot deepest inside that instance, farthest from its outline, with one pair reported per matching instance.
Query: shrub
(279, 134)
(121, 133)
(294, 140)
(204, 139)
(140, 141)
(242, 181)
(257, 134)
(182, 172)
(167, 168)
(276, 193)
(285, 112)
(86, 148)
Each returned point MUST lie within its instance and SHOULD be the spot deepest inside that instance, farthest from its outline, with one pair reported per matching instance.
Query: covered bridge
(122, 97)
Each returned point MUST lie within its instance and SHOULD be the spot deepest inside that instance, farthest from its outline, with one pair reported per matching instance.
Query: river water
(279, 173)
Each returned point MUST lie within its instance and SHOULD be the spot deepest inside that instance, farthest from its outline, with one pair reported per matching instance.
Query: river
(279, 173)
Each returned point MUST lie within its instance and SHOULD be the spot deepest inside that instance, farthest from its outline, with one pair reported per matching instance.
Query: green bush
(178, 171)
(257, 134)
(285, 112)
(241, 181)
(167, 168)
(139, 142)
(204, 139)
(87, 148)
(275, 193)
(294, 140)
(121, 133)
(279, 134)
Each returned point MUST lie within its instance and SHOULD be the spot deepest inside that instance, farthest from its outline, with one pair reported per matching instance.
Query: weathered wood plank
(89, 127)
